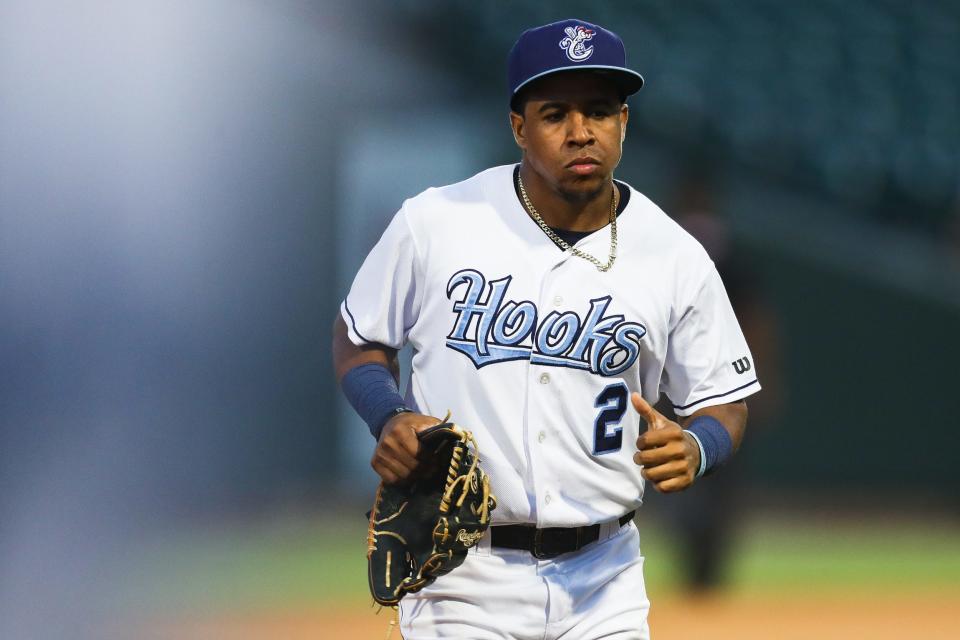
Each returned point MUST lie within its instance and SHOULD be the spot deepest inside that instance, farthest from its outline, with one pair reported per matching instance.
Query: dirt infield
(752, 617)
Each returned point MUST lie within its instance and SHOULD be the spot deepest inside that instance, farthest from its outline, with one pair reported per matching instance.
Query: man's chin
(582, 188)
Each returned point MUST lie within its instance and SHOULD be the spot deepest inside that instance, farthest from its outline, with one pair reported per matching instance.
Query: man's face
(572, 130)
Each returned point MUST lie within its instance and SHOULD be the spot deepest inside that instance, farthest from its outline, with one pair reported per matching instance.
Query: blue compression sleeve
(716, 447)
(373, 393)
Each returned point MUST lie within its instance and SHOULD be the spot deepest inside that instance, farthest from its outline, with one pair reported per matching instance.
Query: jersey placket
(544, 384)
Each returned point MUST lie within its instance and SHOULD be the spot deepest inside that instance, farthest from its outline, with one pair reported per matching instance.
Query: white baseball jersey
(536, 351)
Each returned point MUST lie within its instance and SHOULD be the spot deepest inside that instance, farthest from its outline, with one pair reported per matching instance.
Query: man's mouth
(584, 165)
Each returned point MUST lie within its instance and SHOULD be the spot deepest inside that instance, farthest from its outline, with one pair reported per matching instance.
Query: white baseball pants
(596, 592)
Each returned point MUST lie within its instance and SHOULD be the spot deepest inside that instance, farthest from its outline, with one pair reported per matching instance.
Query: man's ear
(624, 117)
(517, 126)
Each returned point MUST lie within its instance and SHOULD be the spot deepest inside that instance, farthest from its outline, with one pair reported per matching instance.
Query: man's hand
(669, 455)
(395, 457)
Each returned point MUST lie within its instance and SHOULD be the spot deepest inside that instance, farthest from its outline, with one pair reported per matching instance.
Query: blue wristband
(714, 441)
(374, 395)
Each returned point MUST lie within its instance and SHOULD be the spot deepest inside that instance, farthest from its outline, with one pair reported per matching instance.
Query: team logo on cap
(573, 43)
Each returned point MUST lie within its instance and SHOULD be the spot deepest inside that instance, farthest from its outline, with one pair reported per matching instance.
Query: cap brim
(628, 81)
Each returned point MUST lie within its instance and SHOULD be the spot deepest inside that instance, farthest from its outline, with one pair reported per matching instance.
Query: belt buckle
(537, 547)
(540, 553)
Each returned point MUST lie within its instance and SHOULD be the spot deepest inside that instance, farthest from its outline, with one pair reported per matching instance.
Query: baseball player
(548, 307)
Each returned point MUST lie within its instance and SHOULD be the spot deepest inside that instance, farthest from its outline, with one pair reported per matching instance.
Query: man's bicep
(347, 355)
(383, 303)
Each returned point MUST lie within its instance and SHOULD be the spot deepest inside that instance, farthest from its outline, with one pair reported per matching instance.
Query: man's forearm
(368, 377)
(732, 416)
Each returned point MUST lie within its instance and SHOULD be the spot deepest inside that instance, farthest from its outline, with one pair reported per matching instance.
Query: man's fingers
(672, 469)
(395, 449)
(648, 413)
(657, 438)
(387, 476)
(407, 440)
(651, 457)
(404, 428)
(395, 459)
(678, 483)
(389, 469)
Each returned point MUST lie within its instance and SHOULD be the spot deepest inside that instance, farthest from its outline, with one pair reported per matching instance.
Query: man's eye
(600, 113)
(556, 116)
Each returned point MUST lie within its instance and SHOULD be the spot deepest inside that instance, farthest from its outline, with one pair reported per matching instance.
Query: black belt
(550, 542)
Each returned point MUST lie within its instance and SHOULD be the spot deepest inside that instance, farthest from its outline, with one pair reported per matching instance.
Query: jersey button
(547, 499)
(558, 301)
(541, 436)
(545, 378)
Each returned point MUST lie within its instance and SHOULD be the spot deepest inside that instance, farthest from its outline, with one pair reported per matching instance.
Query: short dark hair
(519, 100)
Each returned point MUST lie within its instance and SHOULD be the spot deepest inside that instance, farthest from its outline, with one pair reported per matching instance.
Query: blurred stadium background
(186, 189)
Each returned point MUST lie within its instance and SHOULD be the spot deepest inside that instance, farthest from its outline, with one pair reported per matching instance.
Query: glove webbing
(453, 478)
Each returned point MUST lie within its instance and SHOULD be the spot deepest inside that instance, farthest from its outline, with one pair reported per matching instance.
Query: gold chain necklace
(562, 243)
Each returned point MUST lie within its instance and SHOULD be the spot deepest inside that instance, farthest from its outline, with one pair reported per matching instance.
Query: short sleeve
(384, 301)
(708, 361)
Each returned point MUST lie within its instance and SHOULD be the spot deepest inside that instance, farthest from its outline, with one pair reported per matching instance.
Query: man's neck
(560, 212)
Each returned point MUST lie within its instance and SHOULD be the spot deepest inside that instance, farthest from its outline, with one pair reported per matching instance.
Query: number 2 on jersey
(612, 403)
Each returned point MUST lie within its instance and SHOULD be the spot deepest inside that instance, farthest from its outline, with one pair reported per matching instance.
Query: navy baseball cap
(569, 45)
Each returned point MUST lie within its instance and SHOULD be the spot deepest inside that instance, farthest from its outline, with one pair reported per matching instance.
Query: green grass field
(299, 562)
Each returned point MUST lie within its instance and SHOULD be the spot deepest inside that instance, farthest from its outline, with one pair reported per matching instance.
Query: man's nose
(579, 132)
